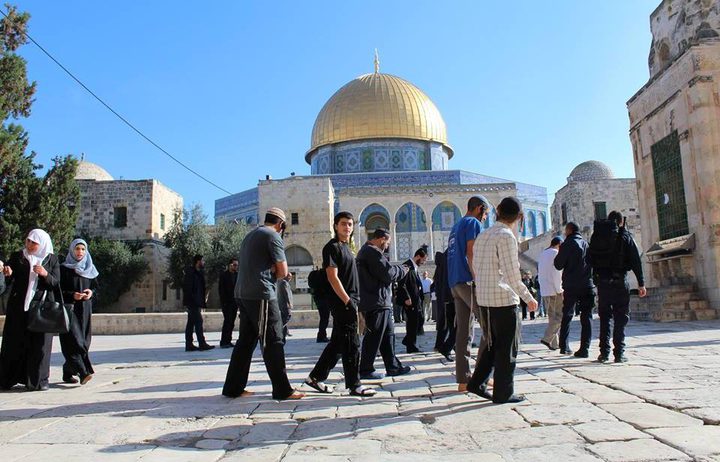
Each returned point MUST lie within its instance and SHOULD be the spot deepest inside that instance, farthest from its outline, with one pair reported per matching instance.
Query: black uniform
(226, 287)
(614, 296)
(345, 339)
(376, 276)
(445, 326)
(410, 289)
(76, 343)
(578, 289)
(25, 355)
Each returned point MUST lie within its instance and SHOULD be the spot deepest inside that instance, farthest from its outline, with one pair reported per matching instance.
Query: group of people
(34, 275)
(572, 272)
(477, 277)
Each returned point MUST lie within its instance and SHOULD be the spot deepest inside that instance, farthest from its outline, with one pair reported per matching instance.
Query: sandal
(320, 387)
(362, 390)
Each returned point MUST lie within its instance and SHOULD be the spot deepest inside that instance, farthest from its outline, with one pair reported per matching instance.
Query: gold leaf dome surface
(378, 106)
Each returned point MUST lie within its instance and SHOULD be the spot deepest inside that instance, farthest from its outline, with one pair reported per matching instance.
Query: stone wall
(313, 199)
(684, 98)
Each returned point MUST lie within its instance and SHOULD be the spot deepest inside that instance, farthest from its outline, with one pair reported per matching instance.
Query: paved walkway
(151, 401)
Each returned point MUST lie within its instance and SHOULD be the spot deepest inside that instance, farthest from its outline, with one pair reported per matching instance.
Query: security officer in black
(610, 275)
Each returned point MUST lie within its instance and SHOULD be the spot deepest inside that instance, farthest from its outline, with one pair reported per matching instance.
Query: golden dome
(378, 106)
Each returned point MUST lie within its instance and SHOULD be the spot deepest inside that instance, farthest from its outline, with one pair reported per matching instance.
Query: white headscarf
(46, 248)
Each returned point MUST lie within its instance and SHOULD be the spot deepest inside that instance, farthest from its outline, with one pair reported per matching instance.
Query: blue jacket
(573, 260)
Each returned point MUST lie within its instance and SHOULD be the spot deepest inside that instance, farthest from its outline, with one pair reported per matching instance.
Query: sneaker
(69, 378)
(565, 352)
(402, 371)
(372, 376)
(621, 359)
(582, 353)
(603, 358)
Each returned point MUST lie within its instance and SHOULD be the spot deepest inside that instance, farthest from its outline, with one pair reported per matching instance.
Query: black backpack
(607, 246)
(318, 283)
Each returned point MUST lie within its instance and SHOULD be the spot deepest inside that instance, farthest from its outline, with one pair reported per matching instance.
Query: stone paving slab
(152, 401)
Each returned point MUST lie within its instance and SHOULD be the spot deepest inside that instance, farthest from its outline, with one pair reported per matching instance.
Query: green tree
(227, 238)
(189, 235)
(120, 266)
(27, 201)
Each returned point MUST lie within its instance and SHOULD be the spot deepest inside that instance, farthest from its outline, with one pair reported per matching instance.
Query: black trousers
(500, 354)
(412, 325)
(523, 305)
(445, 327)
(379, 336)
(420, 320)
(324, 312)
(345, 344)
(398, 313)
(613, 303)
(259, 320)
(194, 322)
(229, 311)
(582, 301)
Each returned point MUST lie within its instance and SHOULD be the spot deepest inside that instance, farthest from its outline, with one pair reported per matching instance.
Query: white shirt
(426, 285)
(550, 279)
(497, 269)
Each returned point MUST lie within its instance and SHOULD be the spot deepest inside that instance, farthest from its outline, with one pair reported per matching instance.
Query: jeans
(229, 311)
(379, 336)
(345, 344)
(194, 322)
(324, 312)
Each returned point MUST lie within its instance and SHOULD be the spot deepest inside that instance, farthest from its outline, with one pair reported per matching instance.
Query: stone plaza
(151, 401)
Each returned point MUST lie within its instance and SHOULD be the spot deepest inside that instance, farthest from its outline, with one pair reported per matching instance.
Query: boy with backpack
(612, 254)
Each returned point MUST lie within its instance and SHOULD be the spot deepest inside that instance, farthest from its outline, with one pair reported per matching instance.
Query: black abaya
(25, 355)
(76, 343)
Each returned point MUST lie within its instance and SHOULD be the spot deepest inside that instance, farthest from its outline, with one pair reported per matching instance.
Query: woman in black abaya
(78, 275)
(25, 355)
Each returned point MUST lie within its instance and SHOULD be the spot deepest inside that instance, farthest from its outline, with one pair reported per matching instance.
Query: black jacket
(376, 276)
(226, 288)
(194, 288)
(573, 260)
(632, 262)
(440, 281)
(410, 288)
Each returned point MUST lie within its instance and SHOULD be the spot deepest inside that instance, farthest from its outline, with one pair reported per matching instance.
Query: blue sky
(233, 88)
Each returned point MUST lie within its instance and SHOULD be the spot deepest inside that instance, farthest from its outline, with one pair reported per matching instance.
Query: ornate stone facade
(674, 122)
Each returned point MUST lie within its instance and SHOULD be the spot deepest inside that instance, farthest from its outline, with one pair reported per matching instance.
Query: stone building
(591, 192)
(675, 135)
(379, 149)
(136, 211)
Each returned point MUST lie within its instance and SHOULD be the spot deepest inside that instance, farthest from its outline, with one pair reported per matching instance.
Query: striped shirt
(497, 269)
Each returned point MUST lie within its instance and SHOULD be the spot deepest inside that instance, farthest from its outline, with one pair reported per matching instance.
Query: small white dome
(591, 170)
(89, 171)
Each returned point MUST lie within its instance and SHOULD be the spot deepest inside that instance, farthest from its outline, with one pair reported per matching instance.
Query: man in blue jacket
(376, 276)
(573, 259)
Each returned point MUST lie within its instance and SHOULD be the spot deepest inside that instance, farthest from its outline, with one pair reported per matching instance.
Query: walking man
(262, 262)
(499, 289)
(376, 276)
(460, 280)
(319, 288)
(226, 287)
(428, 296)
(445, 319)
(194, 299)
(578, 289)
(550, 281)
(410, 294)
(611, 263)
(339, 264)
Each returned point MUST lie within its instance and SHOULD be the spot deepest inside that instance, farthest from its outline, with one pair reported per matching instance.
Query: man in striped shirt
(499, 288)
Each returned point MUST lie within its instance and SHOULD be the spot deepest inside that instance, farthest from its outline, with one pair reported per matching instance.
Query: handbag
(49, 317)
